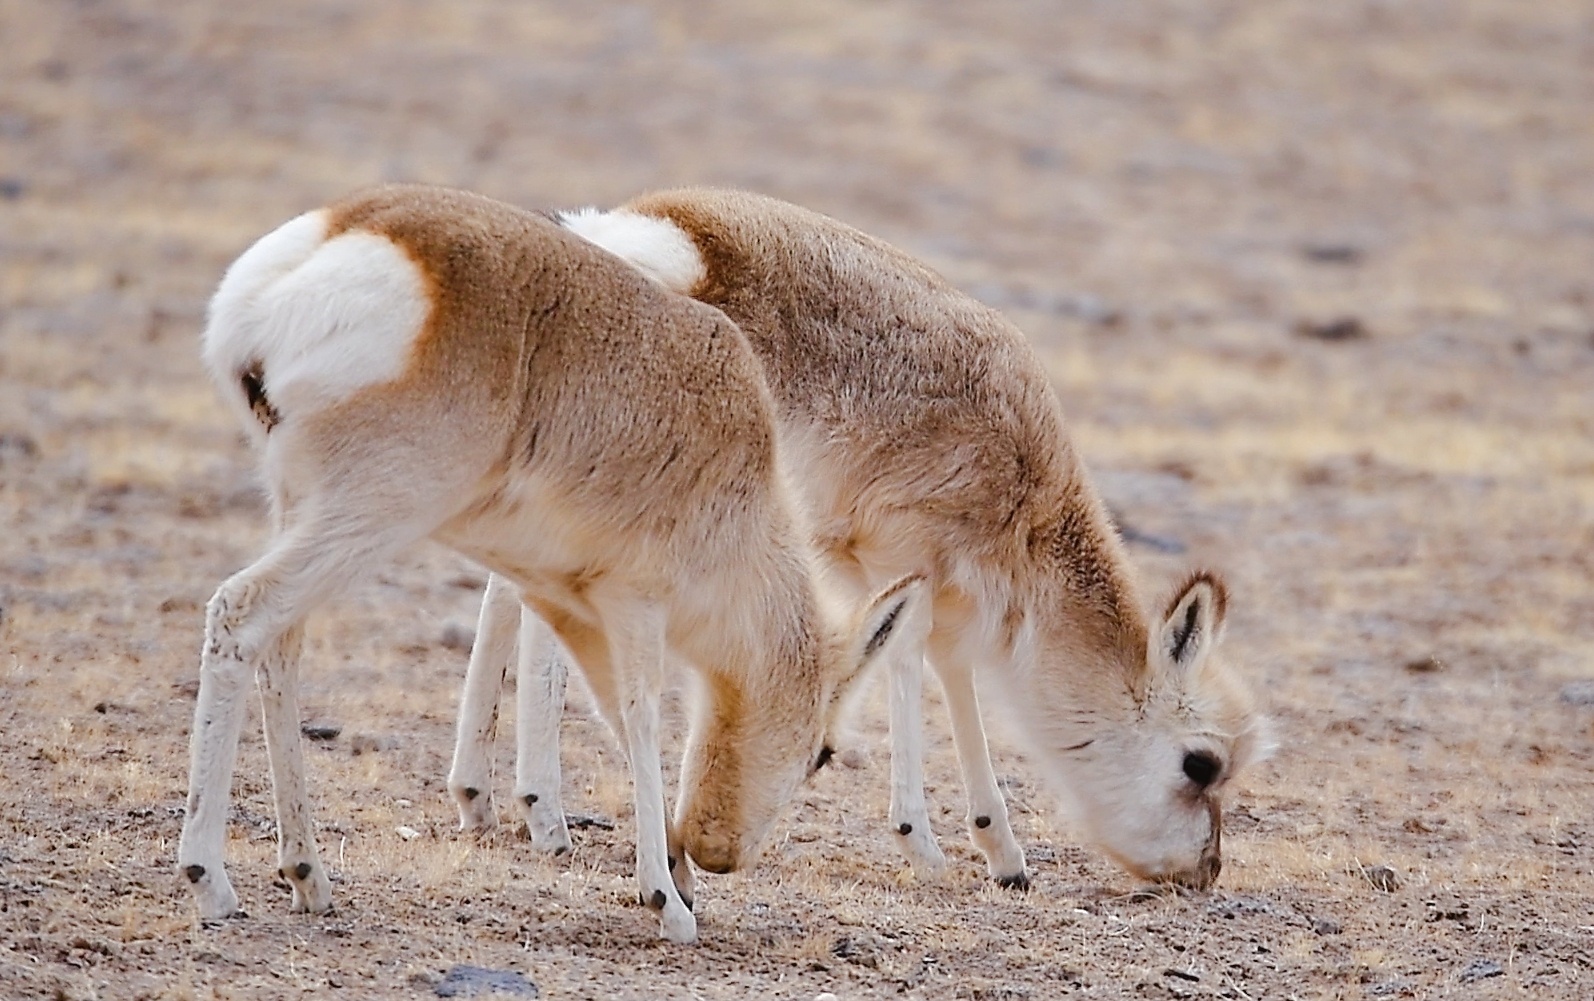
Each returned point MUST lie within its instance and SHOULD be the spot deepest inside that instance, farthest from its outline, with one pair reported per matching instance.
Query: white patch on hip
(320, 319)
(657, 247)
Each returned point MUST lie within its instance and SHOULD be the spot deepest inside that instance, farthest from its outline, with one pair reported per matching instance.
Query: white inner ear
(1187, 633)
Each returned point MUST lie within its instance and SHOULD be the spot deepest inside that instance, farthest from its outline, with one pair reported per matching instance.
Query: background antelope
(418, 362)
(927, 440)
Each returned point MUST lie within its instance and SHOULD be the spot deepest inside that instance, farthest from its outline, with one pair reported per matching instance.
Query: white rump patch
(320, 319)
(657, 247)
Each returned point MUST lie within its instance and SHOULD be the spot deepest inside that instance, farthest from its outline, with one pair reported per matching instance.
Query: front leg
(635, 628)
(910, 817)
(297, 859)
(987, 818)
(470, 780)
(540, 702)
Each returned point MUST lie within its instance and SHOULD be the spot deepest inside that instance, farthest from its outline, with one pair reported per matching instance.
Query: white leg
(910, 818)
(254, 620)
(540, 702)
(635, 631)
(470, 780)
(278, 679)
(213, 750)
(987, 819)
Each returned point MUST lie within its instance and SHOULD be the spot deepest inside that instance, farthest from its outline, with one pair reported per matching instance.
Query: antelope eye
(1202, 768)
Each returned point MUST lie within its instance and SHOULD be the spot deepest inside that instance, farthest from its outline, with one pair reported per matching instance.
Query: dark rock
(588, 820)
(1578, 693)
(1332, 253)
(1341, 328)
(476, 981)
(1425, 665)
(1326, 926)
(456, 637)
(321, 731)
(1481, 969)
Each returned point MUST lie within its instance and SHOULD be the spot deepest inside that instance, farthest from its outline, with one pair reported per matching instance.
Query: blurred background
(1313, 281)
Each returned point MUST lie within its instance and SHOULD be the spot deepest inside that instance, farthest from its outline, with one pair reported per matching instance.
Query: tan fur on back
(888, 365)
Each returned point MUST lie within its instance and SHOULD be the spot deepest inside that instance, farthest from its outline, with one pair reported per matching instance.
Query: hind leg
(540, 702)
(470, 779)
(254, 622)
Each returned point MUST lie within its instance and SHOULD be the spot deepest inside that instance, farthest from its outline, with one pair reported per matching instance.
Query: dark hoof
(1016, 882)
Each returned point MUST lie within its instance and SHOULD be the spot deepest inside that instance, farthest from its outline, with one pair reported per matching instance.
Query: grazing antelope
(415, 362)
(927, 440)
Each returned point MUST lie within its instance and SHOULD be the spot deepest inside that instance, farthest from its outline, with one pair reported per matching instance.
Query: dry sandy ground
(1313, 280)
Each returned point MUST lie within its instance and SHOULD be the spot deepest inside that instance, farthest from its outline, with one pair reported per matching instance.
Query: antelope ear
(1191, 624)
(890, 618)
(893, 617)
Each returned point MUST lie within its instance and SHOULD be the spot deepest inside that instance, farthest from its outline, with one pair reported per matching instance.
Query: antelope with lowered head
(415, 362)
(926, 439)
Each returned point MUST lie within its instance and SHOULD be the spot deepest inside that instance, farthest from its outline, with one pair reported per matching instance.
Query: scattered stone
(407, 833)
(1425, 665)
(456, 637)
(1341, 328)
(1578, 693)
(1332, 253)
(476, 981)
(826, 996)
(1481, 969)
(1326, 926)
(1182, 974)
(321, 731)
(588, 820)
(1382, 877)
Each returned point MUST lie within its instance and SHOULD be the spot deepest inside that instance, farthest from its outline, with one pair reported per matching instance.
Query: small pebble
(826, 996)
(1324, 926)
(1343, 328)
(1425, 665)
(321, 731)
(456, 637)
(408, 833)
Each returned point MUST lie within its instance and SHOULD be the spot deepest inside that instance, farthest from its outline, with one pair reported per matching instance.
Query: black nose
(1201, 768)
